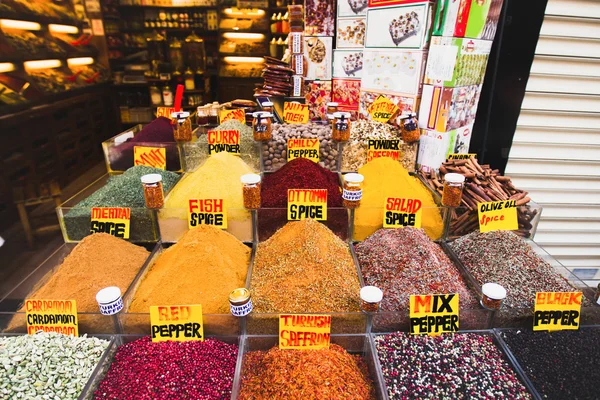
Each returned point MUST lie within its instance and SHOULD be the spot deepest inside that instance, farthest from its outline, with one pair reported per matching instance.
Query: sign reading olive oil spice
(307, 203)
(401, 212)
(155, 157)
(303, 148)
(223, 140)
(51, 316)
(433, 314)
(304, 331)
(207, 212)
(112, 220)
(237, 114)
(555, 311)
(295, 113)
(498, 216)
(176, 323)
(380, 148)
(382, 109)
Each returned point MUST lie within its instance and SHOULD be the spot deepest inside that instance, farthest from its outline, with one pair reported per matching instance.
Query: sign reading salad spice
(112, 220)
(295, 113)
(237, 114)
(164, 112)
(382, 148)
(456, 156)
(307, 203)
(51, 316)
(555, 311)
(304, 331)
(207, 212)
(177, 323)
(382, 109)
(401, 212)
(498, 216)
(223, 140)
(155, 157)
(433, 314)
(303, 148)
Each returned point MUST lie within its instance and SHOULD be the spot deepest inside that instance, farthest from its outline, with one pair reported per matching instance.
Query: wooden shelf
(170, 7)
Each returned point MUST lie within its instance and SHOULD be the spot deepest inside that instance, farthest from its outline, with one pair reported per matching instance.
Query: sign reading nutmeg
(382, 109)
(155, 157)
(383, 148)
(303, 148)
(295, 113)
(307, 203)
(223, 140)
(237, 114)
(304, 331)
(498, 216)
(555, 311)
(176, 323)
(207, 212)
(402, 212)
(112, 220)
(51, 316)
(433, 314)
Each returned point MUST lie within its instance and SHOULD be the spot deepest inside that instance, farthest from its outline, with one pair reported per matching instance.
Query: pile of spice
(202, 268)
(404, 262)
(217, 178)
(308, 374)
(170, 370)
(561, 365)
(504, 258)
(354, 154)
(387, 178)
(47, 365)
(304, 267)
(458, 366)
(120, 191)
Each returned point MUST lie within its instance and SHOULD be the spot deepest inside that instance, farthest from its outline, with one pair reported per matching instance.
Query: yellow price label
(304, 331)
(307, 203)
(433, 314)
(456, 156)
(303, 148)
(382, 109)
(176, 323)
(155, 157)
(237, 114)
(164, 112)
(223, 140)
(382, 148)
(402, 212)
(58, 316)
(295, 113)
(112, 220)
(498, 216)
(555, 311)
(207, 212)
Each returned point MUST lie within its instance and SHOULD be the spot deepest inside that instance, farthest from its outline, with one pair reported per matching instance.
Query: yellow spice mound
(384, 178)
(202, 268)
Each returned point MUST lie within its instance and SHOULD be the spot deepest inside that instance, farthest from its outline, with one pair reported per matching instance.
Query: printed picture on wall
(351, 33)
(397, 71)
(397, 27)
(347, 63)
(352, 8)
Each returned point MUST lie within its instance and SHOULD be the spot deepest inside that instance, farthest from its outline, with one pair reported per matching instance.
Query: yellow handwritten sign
(498, 216)
(307, 203)
(304, 331)
(402, 212)
(176, 323)
(295, 113)
(207, 212)
(433, 314)
(164, 112)
(457, 156)
(112, 220)
(380, 148)
(303, 148)
(556, 311)
(223, 140)
(382, 109)
(155, 157)
(51, 316)
(237, 114)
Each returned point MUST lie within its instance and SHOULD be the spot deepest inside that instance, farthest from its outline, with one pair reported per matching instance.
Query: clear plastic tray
(355, 151)
(272, 219)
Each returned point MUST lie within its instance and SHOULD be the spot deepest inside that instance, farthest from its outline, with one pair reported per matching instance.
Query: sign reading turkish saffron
(307, 203)
(498, 216)
(155, 157)
(295, 113)
(237, 114)
(433, 314)
(164, 112)
(207, 212)
(556, 311)
(304, 331)
(382, 109)
(466, 156)
(303, 148)
(382, 148)
(112, 220)
(176, 323)
(402, 212)
(223, 140)
(51, 316)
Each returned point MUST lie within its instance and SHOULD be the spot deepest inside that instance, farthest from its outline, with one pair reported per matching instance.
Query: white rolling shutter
(555, 153)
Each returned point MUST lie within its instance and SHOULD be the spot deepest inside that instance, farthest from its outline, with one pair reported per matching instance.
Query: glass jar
(352, 192)
(167, 96)
(332, 108)
(251, 191)
(341, 127)
(156, 97)
(213, 114)
(153, 191)
(182, 129)
(240, 302)
(195, 53)
(453, 187)
(176, 56)
(261, 126)
(267, 106)
(492, 297)
(370, 298)
(202, 115)
(188, 79)
(410, 129)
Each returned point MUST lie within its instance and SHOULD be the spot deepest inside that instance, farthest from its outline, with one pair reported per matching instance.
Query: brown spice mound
(308, 374)
(304, 267)
(202, 268)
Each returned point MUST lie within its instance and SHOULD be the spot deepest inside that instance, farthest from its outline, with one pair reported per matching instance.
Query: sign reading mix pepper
(433, 314)
(307, 203)
(51, 316)
(207, 212)
(177, 323)
(556, 311)
(112, 220)
(304, 331)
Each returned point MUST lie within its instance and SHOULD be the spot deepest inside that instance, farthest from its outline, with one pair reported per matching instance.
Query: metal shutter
(555, 153)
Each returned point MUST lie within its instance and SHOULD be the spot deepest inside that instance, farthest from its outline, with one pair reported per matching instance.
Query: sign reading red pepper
(176, 323)
(303, 148)
(402, 212)
(433, 314)
(112, 220)
(295, 113)
(382, 148)
(155, 157)
(304, 331)
(237, 114)
(223, 140)
(307, 203)
(51, 316)
(555, 311)
(498, 216)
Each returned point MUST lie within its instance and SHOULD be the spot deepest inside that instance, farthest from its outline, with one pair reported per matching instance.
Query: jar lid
(180, 114)
(151, 178)
(262, 114)
(341, 114)
(493, 291)
(238, 295)
(332, 104)
(267, 104)
(354, 178)
(454, 178)
(371, 294)
(108, 295)
(250, 179)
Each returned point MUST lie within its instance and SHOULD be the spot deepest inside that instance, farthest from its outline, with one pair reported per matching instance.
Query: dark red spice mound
(170, 370)
(160, 130)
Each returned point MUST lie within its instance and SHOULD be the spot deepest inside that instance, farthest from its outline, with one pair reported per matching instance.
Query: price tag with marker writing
(176, 323)
(382, 109)
(307, 203)
(555, 311)
(164, 112)
(155, 157)
(112, 220)
(498, 216)
(433, 314)
(402, 212)
(380, 148)
(223, 140)
(237, 114)
(295, 113)
(304, 331)
(303, 148)
(207, 212)
(51, 316)
(456, 156)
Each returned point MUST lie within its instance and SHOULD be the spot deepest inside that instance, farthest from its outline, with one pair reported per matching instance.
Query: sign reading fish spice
(304, 331)
(303, 148)
(223, 140)
(433, 314)
(382, 109)
(455, 156)
(51, 316)
(112, 220)
(378, 148)
(402, 212)
(177, 323)
(555, 311)
(155, 157)
(307, 203)
(295, 113)
(498, 216)
(207, 212)
(237, 114)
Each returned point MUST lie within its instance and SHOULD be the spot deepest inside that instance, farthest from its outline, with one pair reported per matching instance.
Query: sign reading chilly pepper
(207, 212)
(155, 157)
(498, 216)
(456, 156)
(402, 212)
(307, 203)
(112, 220)
(556, 311)
(433, 314)
(237, 114)
(223, 140)
(303, 148)
(382, 109)
(304, 331)
(382, 148)
(177, 323)
(295, 113)
(51, 316)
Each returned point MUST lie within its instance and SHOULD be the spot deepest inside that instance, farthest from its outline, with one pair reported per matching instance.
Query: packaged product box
(464, 18)
(317, 95)
(387, 3)
(456, 62)
(406, 104)
(319, 17)
(444, 109)
(348, 64)
(393, 71)
(352, 8)
(435, 146)
(318, 52)
(350, 33)
(491, 24)
(346, 92)
(400, 26)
